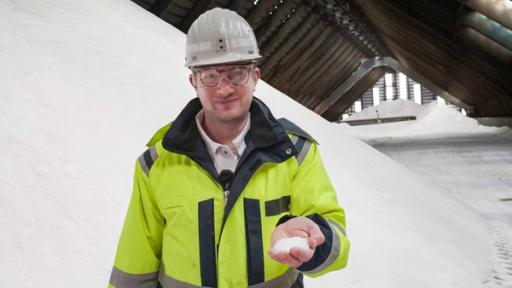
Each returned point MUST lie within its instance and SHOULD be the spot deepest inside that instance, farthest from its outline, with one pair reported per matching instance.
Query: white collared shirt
(223, 156)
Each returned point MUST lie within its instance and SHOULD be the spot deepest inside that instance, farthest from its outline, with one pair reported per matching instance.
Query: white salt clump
(284, 245)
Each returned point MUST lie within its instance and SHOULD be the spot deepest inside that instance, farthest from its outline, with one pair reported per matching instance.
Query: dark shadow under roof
(311, 48)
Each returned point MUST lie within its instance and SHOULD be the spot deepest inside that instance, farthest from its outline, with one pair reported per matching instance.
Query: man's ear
(256, 75)
(192, 80)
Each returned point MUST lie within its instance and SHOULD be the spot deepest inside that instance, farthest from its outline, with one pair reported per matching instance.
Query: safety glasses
(236, 74)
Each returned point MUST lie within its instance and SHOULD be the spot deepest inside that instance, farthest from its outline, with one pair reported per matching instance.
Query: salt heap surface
(435, 119)
(86, 83)
(397, 108)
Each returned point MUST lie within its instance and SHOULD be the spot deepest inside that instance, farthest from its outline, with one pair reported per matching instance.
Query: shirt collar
(239, 141)
(212, 146)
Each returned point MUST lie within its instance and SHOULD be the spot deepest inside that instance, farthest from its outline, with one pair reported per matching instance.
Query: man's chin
(232, 117)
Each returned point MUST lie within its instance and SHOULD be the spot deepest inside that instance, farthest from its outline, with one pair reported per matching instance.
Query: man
(221, 184)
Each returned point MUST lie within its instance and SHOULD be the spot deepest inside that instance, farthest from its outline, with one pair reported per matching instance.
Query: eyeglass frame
(249, 66)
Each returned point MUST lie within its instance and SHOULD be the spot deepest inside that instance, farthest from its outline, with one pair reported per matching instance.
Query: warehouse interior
(326, 53)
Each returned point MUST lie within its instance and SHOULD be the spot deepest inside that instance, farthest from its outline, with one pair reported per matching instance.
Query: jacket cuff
(326, 253)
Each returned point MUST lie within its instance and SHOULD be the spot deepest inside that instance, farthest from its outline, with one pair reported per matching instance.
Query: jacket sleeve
(314, 196)
(138, 254)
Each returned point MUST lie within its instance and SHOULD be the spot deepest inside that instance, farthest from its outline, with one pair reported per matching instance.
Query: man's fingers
(291, 261)
(302, 227)
(285, 258)
(301, 255)
(300, 233)
(310, 226)
(316, 240)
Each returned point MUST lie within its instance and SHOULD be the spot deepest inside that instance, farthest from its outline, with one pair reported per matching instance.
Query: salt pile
(439, 117)
(397, 108)
(432, 120)
(86, 83)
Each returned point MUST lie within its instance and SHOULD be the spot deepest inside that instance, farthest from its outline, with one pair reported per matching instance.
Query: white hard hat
(220, 36)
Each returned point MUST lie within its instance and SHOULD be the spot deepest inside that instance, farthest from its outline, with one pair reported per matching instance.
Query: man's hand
(296, 227)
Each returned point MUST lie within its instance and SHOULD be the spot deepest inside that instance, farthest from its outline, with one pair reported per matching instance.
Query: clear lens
(238, 75)
(210, 77)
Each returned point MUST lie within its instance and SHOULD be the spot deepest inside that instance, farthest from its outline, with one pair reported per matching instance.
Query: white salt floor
(475, 168)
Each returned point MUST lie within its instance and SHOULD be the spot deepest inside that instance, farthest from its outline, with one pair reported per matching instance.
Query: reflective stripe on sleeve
(335, 250)
(168, 282)
(294, 139)
(337, 225)
(153, 154)
(302, 146)
(284, 281)
(122, 279)
(143, 165)
(303, 152)
(147, 159)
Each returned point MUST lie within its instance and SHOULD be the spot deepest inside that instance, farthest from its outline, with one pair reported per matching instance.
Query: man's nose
(225, 86)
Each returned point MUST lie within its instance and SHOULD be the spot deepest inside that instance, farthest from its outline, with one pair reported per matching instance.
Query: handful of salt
(284, 245)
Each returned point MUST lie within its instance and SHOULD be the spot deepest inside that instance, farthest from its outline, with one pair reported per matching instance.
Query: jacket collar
(183, 137)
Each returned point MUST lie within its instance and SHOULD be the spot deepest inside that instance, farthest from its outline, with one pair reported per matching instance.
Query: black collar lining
(183, 137)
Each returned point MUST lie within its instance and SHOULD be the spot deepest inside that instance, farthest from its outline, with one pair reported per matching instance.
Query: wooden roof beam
(342, 72)
(285, 31)
(199, 8)
(370, 63)
(159, 7)
(315, 64)
(283, 12)
(497, 10)
(317, 70)
(317, 33)
(260, 13)
(292, 41)
(334, 112)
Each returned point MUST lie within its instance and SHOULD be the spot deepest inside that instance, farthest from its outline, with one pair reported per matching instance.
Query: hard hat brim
(224, 59)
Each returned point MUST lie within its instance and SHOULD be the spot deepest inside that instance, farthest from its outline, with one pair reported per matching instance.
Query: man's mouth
(227, 100)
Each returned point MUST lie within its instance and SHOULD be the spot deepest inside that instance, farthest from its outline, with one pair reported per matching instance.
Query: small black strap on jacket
(226, 178)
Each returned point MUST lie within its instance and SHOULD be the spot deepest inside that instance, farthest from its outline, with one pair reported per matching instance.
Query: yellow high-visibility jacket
(180, 232)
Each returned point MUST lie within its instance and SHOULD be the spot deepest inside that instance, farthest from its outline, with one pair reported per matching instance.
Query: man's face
(225, 91)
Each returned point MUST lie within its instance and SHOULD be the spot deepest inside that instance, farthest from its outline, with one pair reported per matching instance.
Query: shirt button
(288, 151)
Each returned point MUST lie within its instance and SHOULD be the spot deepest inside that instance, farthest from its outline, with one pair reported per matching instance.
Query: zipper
(225, 182)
